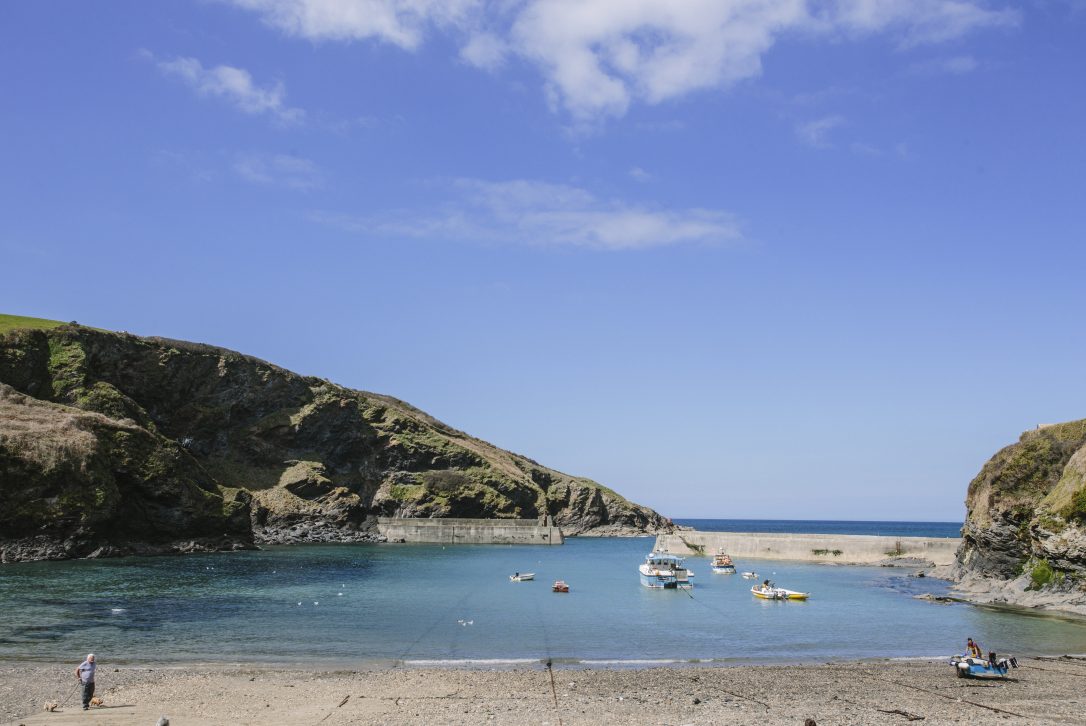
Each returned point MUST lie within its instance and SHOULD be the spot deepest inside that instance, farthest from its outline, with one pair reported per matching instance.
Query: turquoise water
(813, 526)
(403, 603)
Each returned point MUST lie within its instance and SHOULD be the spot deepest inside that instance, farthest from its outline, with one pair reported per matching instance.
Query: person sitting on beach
(973, 648)
(85, 673)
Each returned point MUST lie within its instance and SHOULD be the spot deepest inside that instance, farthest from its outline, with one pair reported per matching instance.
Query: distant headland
(113, 444)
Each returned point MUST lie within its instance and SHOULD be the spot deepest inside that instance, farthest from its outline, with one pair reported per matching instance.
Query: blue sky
(732, 258)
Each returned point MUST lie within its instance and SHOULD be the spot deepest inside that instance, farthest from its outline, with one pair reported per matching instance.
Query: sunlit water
(367, 604)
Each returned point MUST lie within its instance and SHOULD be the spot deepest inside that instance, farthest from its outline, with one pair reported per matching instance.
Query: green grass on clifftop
(17, 322)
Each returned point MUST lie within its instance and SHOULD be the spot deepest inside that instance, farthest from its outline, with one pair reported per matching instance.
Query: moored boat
(521, 576)
(663, 570)
(722, 564)
(560, 586)
(750, 575)
(769, 591)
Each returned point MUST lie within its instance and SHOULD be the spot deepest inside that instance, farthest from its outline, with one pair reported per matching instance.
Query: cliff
(1024, 539)
(112, 443)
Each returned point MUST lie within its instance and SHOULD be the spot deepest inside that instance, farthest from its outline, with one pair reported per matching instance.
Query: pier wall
(853, 549)
(469, 531)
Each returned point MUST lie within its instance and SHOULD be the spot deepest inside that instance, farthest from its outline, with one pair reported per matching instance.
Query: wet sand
(1042, 691)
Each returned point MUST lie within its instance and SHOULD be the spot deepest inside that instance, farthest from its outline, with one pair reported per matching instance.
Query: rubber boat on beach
(989, 668)
(769, 591)
(663, 570)
(521, 576)
(722, 564)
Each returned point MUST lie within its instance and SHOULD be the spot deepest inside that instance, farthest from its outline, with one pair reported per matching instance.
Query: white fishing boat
(663, 570)
(521, 576)
(722, 564)
(750, 575)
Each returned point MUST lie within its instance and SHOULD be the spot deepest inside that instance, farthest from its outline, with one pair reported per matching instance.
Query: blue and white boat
(663, 570)
(967, 666)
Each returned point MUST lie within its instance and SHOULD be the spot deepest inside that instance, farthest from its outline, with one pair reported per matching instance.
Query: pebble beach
(1042, 691)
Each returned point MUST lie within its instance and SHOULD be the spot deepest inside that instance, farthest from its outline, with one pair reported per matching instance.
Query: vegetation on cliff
(195, 434)
(1026, 520)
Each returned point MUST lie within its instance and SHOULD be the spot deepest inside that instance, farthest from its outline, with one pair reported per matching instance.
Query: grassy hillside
(17, 322)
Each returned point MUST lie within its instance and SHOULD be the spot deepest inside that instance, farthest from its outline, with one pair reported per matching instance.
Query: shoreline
(1043, 690)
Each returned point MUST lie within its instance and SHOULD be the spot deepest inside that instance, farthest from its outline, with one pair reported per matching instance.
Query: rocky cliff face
(1024, 540)
(110, 442)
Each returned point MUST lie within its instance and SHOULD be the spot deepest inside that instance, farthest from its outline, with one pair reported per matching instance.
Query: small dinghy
(750, 575)
(521, 576)
(768, 591)
(987, 669)
(560, 586)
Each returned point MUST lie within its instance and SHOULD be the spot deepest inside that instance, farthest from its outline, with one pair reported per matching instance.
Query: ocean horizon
(826, 526)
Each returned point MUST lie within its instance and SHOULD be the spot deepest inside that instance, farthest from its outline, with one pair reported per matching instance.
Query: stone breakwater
(469, 531)
(851, 549)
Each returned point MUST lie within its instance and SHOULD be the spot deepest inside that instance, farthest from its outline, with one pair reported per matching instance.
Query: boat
(769, 591)
(521, 576)
(990, 668)
(750, 575)
(663, 570)
(559, 586)
(722, 564)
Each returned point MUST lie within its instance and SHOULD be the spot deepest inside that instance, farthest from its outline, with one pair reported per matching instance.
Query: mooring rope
(955, 699)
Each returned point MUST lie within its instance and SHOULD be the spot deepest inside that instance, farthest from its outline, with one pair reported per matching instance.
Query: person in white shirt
(85, 673)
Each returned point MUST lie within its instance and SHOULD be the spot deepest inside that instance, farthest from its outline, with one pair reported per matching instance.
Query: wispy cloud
(639, 174)
(539, 213)
(597, 57)
(957, 65)
(283, 170)
(816, 133)
(233, 85)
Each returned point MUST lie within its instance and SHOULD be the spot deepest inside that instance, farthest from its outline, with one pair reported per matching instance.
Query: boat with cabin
(722, 564)
(664, 570)
(559, 586)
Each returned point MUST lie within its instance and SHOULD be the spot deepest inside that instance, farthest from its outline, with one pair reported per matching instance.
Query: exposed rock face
(114, 441)
(1024, 540)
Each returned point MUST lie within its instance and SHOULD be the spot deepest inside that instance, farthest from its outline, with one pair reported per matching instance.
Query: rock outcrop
(112, 443)
(1024, 539)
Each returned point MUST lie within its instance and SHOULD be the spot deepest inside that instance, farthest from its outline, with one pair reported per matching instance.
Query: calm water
(360, 604)
(807, 526)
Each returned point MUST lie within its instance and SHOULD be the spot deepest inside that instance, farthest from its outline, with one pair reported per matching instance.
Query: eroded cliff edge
(1024, 539)
(113, 443)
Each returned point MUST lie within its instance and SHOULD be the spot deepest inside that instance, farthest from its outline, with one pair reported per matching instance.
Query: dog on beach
(96, 701)
(50, 707)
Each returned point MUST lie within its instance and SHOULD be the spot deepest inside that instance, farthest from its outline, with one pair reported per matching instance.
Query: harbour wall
(852, 549)
(470, 531)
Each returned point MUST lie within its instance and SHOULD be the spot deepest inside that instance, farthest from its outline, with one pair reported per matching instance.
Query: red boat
(560, 586)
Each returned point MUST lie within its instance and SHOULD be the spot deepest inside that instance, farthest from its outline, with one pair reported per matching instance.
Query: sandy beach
(1043, 690)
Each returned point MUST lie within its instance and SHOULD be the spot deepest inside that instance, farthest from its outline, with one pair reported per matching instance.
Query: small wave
(117, 611)
(452, 662)
(637, 661)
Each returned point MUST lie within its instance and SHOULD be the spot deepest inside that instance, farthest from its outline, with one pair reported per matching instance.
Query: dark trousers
(88, 693)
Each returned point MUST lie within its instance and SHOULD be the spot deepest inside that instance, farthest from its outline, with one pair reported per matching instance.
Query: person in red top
(973, 648)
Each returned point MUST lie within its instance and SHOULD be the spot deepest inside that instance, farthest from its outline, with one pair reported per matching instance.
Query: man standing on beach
(85, 673)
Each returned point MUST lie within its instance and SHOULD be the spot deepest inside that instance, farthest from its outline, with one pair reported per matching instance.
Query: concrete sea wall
(853, 549)
(469, 531)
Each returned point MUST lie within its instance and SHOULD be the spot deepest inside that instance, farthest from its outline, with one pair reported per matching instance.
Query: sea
(411, 605)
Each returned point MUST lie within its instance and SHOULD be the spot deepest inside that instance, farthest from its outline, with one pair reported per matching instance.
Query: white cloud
(400, 22)
(816, 133)
(639, 174)
(285, 170)
(234, 85)
(597, 57)
(543, 214)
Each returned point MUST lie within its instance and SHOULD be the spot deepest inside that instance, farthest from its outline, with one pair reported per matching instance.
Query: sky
(812, 259)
